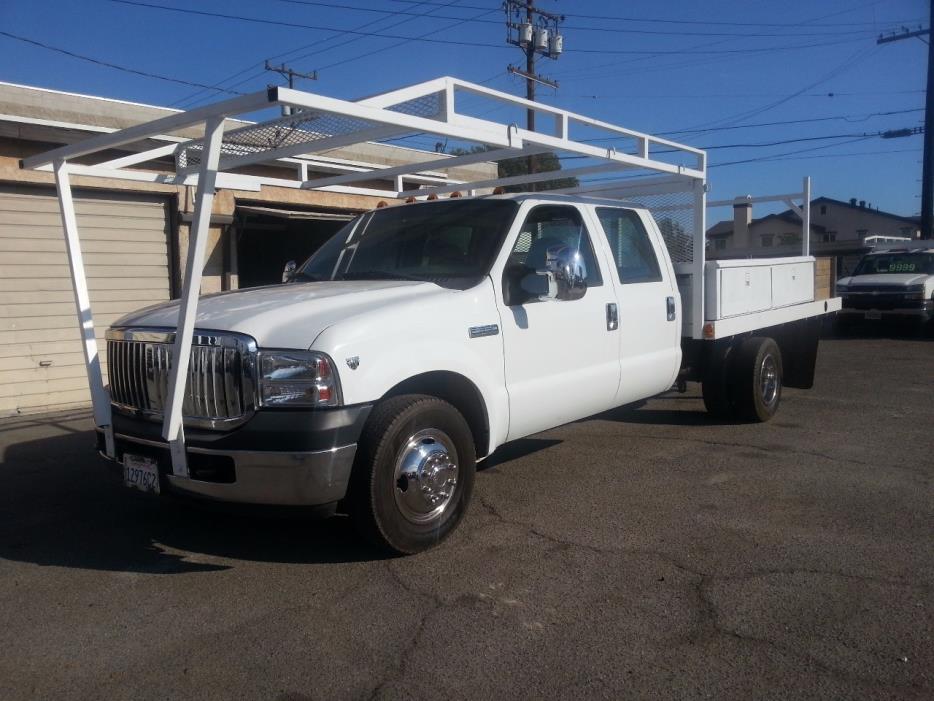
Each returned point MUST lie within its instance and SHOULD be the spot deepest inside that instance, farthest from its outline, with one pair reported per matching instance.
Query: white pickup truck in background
(895, 282)
(423, 336)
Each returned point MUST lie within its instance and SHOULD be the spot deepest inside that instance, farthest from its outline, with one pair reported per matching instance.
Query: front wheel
(413, 475)
(757, 384)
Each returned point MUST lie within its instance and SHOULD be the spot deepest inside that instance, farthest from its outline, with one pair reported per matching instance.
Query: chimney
(742, 218)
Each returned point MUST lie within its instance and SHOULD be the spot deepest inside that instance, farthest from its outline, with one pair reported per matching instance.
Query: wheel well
(458, 391)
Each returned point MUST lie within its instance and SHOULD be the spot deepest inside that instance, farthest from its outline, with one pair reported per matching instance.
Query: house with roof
(835, 226)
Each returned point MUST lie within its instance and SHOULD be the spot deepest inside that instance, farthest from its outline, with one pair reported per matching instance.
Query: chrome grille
(219, 391)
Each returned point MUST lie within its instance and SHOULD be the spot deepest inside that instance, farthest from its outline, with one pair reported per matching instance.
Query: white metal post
(100, 399)
(806, 218)
(700, 255)
(172, 429)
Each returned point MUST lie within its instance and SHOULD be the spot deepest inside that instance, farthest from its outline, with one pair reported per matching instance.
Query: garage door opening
(268, 237)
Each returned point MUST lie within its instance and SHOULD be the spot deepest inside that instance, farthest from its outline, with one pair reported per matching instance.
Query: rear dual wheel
(744, 381)
(413, 475)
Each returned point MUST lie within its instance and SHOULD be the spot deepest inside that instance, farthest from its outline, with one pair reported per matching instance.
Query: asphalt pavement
(646, 553)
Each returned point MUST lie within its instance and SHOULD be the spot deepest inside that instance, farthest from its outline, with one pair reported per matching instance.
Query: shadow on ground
(63, 505)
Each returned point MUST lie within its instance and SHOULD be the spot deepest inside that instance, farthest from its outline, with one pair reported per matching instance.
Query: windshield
(922, 263)
(451, 243)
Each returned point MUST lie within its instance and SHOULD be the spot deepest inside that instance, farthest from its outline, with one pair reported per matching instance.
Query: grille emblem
(353, 362)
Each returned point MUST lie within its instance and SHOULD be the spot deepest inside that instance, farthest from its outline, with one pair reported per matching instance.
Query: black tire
(380, 502)
(715, 383)
(755, 397)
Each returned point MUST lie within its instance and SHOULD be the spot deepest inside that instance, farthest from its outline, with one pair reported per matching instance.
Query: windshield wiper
(376, 275)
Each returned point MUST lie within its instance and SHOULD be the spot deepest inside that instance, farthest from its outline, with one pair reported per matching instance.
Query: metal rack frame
(318, 124)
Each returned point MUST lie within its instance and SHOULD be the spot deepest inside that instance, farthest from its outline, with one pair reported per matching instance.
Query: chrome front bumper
(260, 477)
(921, 313)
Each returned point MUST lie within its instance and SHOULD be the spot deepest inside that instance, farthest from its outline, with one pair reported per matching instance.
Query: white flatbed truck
(424, 335)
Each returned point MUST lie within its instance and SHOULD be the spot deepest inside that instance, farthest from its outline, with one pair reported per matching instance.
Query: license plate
(141, 473)
(873, 315)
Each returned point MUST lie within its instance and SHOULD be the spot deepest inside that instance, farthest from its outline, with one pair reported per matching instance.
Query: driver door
(561, 357)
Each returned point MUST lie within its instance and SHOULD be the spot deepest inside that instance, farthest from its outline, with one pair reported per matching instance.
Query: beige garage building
(134, 235)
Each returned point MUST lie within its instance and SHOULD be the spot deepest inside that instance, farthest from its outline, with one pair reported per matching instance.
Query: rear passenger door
(649, 304)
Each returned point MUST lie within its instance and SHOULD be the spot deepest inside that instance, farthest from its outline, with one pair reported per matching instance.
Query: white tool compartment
(747, 286)
(793, 282)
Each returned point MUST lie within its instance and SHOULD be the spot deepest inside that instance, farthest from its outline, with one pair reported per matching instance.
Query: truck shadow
(61, 505)
(666, 417)
(515, 450)
(648, 412)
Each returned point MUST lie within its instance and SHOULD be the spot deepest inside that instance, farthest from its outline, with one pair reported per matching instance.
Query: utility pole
(291, 75)
(536, 33)
(927, 170)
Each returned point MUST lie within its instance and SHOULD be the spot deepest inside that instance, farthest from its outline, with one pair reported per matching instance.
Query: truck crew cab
(423, 336)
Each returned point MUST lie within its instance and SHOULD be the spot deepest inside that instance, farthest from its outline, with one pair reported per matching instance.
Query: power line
(776, 156)
(404, 41)
(849, 63)
(888, 134)
(454, 42)
(718, 22)
(319, 50)
(845, 118)
(782, 142)
(115, 66)
(720, 96)
(845, 155)
(614, 30)
(590, 73)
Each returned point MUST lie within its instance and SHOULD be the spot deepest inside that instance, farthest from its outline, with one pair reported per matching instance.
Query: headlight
(915, 292)
(297, 378)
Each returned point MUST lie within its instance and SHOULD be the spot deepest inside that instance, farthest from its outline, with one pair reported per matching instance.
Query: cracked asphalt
(645, 553)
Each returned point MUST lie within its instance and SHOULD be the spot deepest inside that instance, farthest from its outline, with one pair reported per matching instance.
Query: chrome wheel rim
(768, 379)
(425, 477)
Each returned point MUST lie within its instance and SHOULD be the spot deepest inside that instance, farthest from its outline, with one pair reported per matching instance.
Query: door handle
(612, 316)
(670, 302)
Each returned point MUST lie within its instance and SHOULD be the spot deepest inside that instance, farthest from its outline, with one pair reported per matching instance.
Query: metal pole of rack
(172, 428)
(100, 400)
(806, 218)
(700, 252)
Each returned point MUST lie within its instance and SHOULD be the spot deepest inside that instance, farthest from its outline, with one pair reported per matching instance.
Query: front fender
(376, 351)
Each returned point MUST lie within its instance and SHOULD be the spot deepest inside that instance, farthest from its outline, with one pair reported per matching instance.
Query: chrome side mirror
(289, 271)
(570, 272)
(564, 277)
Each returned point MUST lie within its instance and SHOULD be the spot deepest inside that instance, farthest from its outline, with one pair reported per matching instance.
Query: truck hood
(896, 280)
(286, 316)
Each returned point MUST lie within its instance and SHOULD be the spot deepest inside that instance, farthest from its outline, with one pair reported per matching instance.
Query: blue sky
(651, 66)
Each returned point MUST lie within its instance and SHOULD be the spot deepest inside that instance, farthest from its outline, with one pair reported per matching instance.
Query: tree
(544, 163)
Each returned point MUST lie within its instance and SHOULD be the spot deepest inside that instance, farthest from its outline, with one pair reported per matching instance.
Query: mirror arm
(288, 272)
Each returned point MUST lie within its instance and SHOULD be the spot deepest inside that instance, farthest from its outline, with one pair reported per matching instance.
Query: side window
(632, 249)
(544, 227)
